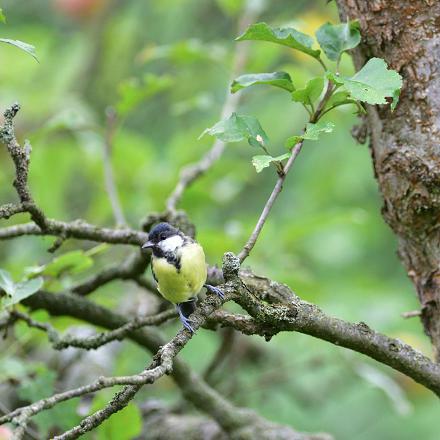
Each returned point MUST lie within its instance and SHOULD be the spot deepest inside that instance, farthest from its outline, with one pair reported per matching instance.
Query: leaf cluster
(373, 84)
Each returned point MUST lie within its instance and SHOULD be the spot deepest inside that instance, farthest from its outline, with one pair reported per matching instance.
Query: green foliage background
(326, 238)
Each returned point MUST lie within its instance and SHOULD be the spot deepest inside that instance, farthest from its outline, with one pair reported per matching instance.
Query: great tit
(179, 268)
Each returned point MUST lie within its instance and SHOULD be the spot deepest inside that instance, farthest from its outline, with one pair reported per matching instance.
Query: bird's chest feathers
(180, 273)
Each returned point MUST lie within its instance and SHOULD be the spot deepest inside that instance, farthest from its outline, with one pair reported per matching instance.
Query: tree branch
(232, 419)
(96, 341)
(9, 209)
(244, 253)
(294, 314)
(281, 310)
(20, 156)
(130, 269)
(78, 229)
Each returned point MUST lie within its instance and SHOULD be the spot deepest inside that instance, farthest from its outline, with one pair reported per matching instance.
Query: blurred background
(165, 66)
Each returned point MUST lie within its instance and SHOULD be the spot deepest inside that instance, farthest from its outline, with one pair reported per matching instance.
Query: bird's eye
(162, 236)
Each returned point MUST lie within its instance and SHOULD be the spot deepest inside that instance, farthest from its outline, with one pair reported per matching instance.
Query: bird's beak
(147, 245)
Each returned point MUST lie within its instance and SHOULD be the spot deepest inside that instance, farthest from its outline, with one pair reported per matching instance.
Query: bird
(179, 268)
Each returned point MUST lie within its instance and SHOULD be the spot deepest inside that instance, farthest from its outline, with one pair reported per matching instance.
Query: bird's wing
(154, 275)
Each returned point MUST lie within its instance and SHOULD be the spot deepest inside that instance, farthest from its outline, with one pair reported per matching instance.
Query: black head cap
(160, 232)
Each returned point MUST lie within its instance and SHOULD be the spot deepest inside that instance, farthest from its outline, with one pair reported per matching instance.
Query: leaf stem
(322, 63)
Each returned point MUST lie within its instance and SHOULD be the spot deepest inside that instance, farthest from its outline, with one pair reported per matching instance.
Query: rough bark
(405, 145)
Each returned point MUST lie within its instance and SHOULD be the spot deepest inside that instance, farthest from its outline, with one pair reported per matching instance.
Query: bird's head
(163, 237)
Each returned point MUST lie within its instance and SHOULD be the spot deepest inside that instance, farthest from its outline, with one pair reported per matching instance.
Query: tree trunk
(405, 145)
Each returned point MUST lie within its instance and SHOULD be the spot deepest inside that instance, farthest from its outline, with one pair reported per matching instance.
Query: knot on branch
(10, 112)
(231, 266)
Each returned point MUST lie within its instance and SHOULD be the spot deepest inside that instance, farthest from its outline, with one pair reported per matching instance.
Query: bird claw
(184, 320)
(216, 290)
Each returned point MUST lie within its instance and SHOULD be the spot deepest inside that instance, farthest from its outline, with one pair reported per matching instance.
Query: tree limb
(96, 341)
(78, 229)
(20, 156)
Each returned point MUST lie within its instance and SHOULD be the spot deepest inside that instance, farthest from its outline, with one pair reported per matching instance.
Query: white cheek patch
(171, 243)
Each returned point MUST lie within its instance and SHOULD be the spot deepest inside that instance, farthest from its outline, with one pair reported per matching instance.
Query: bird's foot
(184, 320)
(216, 290)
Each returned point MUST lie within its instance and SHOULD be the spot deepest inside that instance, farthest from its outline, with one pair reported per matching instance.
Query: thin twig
(22, 415)
(411, 314)
(9, 209)
(131, 268)
(21, 157)
(192, 172)
(96, 341)
(110, 185)
(247, 248)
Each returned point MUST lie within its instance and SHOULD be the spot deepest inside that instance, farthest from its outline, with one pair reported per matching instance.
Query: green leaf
(311, 133)
(336, 39)
(71, 262)
(134, 91)
(292, 141)
(6, 282)
(289, 37)
(263, 161)
(373, 83)
(238, 128)
(276, 79)
(314, 130)
(2, 16)
(21, 45)
(310, 93)
(22, 291)
(338, 98)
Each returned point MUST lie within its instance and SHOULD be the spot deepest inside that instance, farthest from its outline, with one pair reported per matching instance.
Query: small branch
(296, 315)
(244, 253)
(110, 184)
(119, 402)
(411, 314)
(98, 340)
(22, 415)
(10, 209)
(130, 269)
(21, 157)
(192, 172)
(78, 229)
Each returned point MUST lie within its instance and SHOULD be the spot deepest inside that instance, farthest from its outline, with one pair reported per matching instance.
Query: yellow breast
(179, 285)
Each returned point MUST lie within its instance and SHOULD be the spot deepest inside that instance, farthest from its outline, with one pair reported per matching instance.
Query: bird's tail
(188, 307)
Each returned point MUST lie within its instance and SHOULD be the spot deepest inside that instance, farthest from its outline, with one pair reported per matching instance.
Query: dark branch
(20, 156)
(94, 342)
(10, 209)
(130, 269)
(78, 229)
